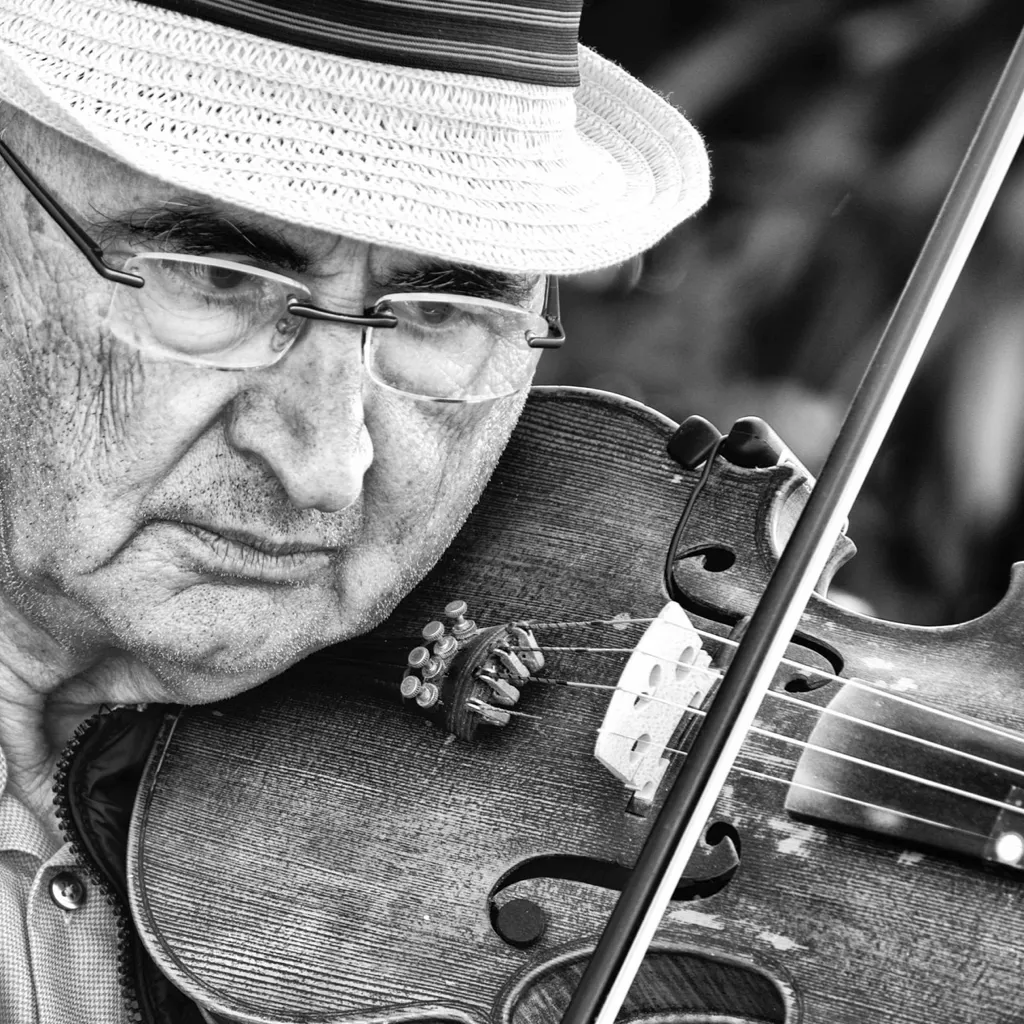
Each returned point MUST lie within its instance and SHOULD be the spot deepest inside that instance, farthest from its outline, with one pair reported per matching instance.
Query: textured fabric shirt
(56, 966)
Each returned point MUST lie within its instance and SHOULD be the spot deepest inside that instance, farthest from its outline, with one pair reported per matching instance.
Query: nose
(303, 419)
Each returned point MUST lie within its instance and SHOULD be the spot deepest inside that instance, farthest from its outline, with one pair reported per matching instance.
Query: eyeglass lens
(217, 313)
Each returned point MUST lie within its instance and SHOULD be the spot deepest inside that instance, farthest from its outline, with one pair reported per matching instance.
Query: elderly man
(273, 282)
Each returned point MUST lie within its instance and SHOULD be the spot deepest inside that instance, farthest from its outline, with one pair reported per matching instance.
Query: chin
(202, 677)
(210, 643)
(206, 647)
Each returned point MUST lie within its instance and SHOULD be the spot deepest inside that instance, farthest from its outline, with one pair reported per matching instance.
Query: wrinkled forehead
(124, 208)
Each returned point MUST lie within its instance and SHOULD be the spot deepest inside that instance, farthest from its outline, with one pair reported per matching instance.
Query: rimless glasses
(214, 312)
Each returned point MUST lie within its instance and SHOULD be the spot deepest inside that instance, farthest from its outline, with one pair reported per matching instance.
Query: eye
(436, 313)
(224, 278)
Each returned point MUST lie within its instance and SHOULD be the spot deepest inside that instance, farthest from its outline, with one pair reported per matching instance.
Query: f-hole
(712, 558)
(715, 559)
(711, 867)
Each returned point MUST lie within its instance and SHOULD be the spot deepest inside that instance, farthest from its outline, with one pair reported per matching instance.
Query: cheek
(67, 408)
(89, 431)
(57, 366)
(431, 463)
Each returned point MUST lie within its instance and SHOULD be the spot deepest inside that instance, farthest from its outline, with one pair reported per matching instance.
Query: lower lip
(213, 553)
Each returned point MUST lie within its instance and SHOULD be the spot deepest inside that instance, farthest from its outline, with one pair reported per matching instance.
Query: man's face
(214, 524)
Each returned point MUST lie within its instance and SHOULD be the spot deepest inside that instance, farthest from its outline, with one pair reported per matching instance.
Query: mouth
(224, 551)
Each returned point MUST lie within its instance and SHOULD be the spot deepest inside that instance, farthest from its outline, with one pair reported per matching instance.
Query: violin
(343, 844)
(848, 808)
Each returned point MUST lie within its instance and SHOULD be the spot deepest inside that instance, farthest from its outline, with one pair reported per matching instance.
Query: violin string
(807, 706)
(864, 763)
(620, 623)
(867, 805)
(888, 770)
(807, 745)
(623, 624)
(789, 663)
(675, 751)
(889, 730)
(881, 691)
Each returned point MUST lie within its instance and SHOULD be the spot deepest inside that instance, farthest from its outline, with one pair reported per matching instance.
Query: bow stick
(688, 805)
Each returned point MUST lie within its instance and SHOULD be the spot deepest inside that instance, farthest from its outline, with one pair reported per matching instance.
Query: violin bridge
(665, 677)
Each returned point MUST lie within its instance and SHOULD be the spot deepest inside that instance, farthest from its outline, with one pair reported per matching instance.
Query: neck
(45, 693)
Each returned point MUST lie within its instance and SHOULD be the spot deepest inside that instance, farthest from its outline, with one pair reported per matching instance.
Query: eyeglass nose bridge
(310, 312)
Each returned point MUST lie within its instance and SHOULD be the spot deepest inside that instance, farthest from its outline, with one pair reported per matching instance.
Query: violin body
(313, 851)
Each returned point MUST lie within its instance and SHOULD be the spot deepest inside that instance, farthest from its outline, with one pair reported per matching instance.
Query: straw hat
(472, 130)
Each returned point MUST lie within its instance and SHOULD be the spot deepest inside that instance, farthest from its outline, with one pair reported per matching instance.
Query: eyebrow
(460, 279)
(196, 228)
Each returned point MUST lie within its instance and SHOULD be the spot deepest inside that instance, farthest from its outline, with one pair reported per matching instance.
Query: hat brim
(514, 176)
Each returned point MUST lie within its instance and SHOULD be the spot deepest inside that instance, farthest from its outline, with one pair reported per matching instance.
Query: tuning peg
(694, 440)
(461, 626)
(428, 696)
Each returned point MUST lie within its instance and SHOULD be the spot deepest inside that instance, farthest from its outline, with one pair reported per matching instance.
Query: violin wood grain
(312, 851)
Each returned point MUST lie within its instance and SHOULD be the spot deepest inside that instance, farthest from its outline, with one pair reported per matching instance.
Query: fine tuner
(470, 676)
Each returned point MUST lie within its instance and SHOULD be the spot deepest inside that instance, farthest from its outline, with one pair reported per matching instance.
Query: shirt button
(67, 891)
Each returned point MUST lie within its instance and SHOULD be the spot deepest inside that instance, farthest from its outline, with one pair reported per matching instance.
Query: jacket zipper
(89, 867)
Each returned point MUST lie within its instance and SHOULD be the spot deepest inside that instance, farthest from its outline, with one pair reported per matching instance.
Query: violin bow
(688, 805)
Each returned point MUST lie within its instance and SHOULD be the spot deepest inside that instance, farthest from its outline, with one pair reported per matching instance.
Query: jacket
(94, 791)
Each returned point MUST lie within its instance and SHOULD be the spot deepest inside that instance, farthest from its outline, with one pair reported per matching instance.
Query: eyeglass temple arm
(555, 338)
(89, 249)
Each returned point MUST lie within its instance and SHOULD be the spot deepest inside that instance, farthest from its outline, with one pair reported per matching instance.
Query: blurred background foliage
(835, 128)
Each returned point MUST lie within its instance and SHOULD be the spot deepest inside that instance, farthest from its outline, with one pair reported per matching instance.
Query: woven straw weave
(501, 174)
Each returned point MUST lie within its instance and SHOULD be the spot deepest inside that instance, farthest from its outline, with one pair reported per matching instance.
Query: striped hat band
(518, 40)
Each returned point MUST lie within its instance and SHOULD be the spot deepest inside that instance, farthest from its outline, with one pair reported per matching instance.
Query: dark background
(835, 128)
